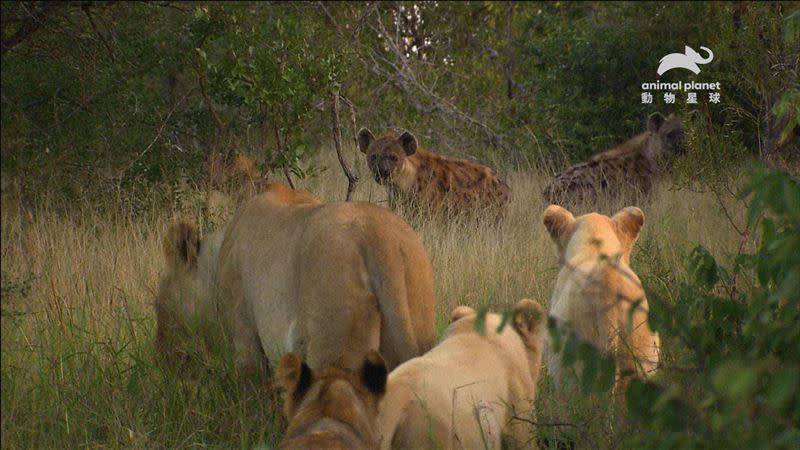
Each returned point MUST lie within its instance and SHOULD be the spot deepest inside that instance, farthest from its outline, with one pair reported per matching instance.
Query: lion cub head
(592, 235)
(387, 157)
(598, 293)
(526, 325)
(331, 407)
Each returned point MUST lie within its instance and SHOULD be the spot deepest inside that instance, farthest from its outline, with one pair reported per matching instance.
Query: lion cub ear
(374, 373)
(365, 138)
(409, 143)
(529, 321)
(628, 223)
(460, 312)
(294, 377)
(182, 245)
(559, 223)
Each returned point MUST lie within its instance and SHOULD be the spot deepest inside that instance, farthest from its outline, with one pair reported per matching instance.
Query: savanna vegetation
(117, 117)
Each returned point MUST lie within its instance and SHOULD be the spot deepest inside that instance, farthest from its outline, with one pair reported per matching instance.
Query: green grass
(78, 322)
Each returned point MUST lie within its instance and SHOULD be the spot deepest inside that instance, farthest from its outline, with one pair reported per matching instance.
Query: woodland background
(121, 97)
(119, 116)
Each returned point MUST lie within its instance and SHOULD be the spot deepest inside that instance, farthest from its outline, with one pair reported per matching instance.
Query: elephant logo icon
(688, 60)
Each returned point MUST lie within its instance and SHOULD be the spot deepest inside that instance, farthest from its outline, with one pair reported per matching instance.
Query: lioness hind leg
(249, 361)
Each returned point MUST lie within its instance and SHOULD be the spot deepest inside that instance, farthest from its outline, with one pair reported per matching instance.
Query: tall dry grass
(78, 322)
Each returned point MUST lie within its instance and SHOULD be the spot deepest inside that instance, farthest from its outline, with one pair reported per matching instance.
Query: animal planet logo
(688, 60)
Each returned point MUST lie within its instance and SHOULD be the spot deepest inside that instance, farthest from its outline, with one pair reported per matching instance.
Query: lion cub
(596, 289)
(466, 390)
(331, 408)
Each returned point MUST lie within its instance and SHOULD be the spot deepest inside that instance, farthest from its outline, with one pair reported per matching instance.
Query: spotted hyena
(418, 177)
(630, 167)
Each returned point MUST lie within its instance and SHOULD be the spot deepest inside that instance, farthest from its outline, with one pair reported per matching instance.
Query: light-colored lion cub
(290, 273)
(331, 408)
(465, 391)
(596, 289)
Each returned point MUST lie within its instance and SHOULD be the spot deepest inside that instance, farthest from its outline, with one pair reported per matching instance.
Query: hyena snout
(384, 170)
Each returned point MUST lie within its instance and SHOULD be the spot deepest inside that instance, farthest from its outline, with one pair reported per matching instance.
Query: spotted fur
(418, 177)
(630, 167)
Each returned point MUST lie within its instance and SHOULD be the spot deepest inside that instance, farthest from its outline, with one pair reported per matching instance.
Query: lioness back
(329, 281)
(380, 259)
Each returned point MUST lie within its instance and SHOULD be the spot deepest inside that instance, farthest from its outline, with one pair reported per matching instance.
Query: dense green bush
(589, 61)
(729, 378)
(734, 380)
(119, 95)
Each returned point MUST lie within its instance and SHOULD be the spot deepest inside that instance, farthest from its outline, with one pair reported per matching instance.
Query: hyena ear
(629, 222)
(294, 377)
(559, 223)
(374, 373)
(182, 245)
(655, 121)
(365, 138)
(409, 143)
(460, 312)
(529, 322)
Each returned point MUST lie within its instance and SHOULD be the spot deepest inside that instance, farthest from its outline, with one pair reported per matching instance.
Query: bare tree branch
(281, 148)
(85, 8)
(201, 80)
(159, 132)
(409, 84)
(29, 25)
(352, 178)
(355, 130)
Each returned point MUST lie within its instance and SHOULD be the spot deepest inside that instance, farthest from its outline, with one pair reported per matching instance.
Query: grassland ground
(78, 323)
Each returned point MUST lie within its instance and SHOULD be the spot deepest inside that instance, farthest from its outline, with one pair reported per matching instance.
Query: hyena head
(667, 138)
(387, 156)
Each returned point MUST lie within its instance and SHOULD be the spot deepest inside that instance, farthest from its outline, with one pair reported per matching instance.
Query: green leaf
(787, 439)
(570, 352)
(480, 321)
(591, 365)
(507, 315)
(555, 334)
(641, 397)
(782, 387)
(735, 380)
(703, 267)
(631, 312)
(756, 207)
(608, 371)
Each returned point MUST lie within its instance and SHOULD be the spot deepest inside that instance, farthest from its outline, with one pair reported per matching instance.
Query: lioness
(466, 390)
(331, 408)
(328, 281)
(596, 289)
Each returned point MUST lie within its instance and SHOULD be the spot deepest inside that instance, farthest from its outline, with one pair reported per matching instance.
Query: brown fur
(331, 408)
(632, 166)
(415, 176)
